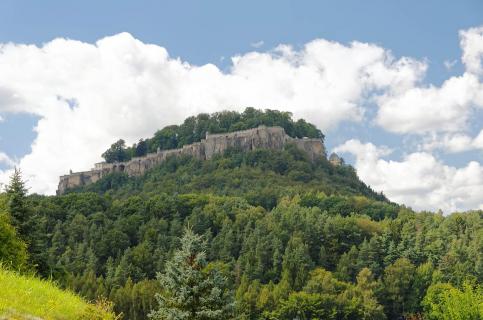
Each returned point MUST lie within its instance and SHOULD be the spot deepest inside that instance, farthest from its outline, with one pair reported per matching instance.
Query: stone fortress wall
(257, 138)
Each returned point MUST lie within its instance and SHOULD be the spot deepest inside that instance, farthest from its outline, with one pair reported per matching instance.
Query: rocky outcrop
(258, 138)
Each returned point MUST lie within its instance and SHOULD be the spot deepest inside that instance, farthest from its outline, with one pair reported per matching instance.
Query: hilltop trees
(190, 290)
(194, 128)
(117, 152)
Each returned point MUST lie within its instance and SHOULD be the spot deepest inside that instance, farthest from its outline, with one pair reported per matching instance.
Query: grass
(26, 297)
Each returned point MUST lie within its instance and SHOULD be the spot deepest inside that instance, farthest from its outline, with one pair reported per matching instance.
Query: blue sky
(212, 32)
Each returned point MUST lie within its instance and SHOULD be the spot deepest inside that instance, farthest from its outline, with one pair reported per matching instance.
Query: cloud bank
(89, 95)
(419, 179)
(420, 110)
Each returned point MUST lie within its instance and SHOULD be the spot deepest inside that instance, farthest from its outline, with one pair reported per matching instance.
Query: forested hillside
(267, 234)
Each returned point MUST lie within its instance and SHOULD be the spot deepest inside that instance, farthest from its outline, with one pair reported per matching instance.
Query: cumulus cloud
(472, 45)
(88, 95)
(452, 143)
(447, 108)
(419, 179)
(5, 160)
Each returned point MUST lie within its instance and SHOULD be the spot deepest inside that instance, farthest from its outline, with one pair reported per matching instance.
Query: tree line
(194, 128)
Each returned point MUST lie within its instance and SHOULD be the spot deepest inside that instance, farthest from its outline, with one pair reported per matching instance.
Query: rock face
(258, 138)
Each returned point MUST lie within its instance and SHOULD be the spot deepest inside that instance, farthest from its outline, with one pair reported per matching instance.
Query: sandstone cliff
(258, 138)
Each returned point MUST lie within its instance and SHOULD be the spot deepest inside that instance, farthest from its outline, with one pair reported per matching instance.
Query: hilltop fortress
(257, 138)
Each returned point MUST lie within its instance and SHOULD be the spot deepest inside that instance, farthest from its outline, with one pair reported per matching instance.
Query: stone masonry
(258, 138)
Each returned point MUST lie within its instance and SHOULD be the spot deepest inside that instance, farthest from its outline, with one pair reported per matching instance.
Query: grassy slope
(25, 297)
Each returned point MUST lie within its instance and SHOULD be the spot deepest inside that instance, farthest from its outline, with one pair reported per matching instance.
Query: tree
(117, 152)
(305, 306)
(141, 148)
(363, 292)
(398, 281)
(445, 302)
(296, 262)
(19, 212)
(189, 290)
(13, 251)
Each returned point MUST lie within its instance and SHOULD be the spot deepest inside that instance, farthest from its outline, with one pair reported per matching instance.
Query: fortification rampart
(258, 138)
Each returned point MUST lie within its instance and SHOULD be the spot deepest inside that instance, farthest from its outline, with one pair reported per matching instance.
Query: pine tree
(17, 207)
(189, 290)
(296, 262)
(30, 227)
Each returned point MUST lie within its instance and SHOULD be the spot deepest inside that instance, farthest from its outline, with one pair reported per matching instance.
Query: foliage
(13, 251)
(327, 298)
(28, 224)
(16, 193)
(117, 152)
(190, 291)
(112, 245)
(291, 237)
(445, 302)
(194, 128)
(261, 176)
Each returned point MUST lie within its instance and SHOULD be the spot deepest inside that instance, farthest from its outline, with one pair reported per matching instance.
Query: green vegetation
(192, 289)
(193, 129)
(25, 297)
(13, 251)
(445, 302)
(261, 177)
(281, 236)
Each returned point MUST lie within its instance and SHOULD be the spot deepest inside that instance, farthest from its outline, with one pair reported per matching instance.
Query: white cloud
(9, 164)
(452, 142)
(419, 179)
(6, 160)
(429, 109)
(472, 45)
(257, 44)
(423, 110)
(124, 88)
(450, 64)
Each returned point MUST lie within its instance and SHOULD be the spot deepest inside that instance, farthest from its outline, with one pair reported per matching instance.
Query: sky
(397, 87)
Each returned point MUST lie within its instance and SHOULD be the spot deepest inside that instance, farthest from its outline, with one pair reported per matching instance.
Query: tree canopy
(194, 128)
(190, 290)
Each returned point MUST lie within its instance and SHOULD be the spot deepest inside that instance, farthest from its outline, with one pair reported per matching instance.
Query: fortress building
(258, 138)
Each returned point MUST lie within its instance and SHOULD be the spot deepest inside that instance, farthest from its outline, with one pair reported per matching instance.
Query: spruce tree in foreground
(19, 212)
(189, 290)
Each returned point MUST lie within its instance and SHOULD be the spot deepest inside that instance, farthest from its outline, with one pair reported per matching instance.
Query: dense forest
(254, 235)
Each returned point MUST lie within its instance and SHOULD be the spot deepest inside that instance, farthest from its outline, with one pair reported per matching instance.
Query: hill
(25, 297)
(261, 177)
(293, 236)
